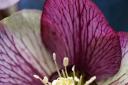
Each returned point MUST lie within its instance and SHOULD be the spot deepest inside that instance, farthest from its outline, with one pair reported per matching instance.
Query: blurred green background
(116, 11)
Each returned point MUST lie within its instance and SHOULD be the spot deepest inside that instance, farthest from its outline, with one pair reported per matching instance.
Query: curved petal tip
(7, 3)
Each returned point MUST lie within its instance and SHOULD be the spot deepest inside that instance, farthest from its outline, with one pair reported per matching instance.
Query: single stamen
(90, 80)
(76, 79)
(73, 70)
(37, 77)
(54, 58)
(45, 80)
(66, 63)
(79, 83)
(64, 75)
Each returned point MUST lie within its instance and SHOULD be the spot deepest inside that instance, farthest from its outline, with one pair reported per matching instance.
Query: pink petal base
(16, 66)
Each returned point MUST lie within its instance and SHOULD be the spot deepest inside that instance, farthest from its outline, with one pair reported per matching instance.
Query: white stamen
(76, 79)
(64, 75)
(45, 80)
(65, 63)
(37, 77)
(54, 58)
(65, 79)
(79, 83)
(90, 81)
(73, 70)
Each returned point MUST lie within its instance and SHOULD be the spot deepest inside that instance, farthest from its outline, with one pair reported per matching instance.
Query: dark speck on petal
(82, 33)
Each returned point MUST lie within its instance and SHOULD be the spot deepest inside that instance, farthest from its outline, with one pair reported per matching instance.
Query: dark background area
(116, 11)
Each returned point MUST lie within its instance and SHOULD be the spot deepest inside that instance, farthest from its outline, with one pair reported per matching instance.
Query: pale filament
(64, 77)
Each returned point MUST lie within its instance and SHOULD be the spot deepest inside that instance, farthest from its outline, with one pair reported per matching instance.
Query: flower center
(64, 78)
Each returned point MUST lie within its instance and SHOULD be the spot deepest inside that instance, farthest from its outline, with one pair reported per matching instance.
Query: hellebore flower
(84, 43)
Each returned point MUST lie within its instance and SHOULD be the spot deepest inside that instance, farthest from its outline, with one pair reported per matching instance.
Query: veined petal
(22, 53)
(16, 61)
(77, 29)
(121, 78)
(25, 25)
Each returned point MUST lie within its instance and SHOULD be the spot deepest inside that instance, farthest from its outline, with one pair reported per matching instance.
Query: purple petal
(124, 43)
(16, 66)
(121, 78)
(77, 29)
(25, 25)
(21, 51)
(23, 54)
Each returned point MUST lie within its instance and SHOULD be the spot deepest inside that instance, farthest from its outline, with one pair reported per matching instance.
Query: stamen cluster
(64, 78)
